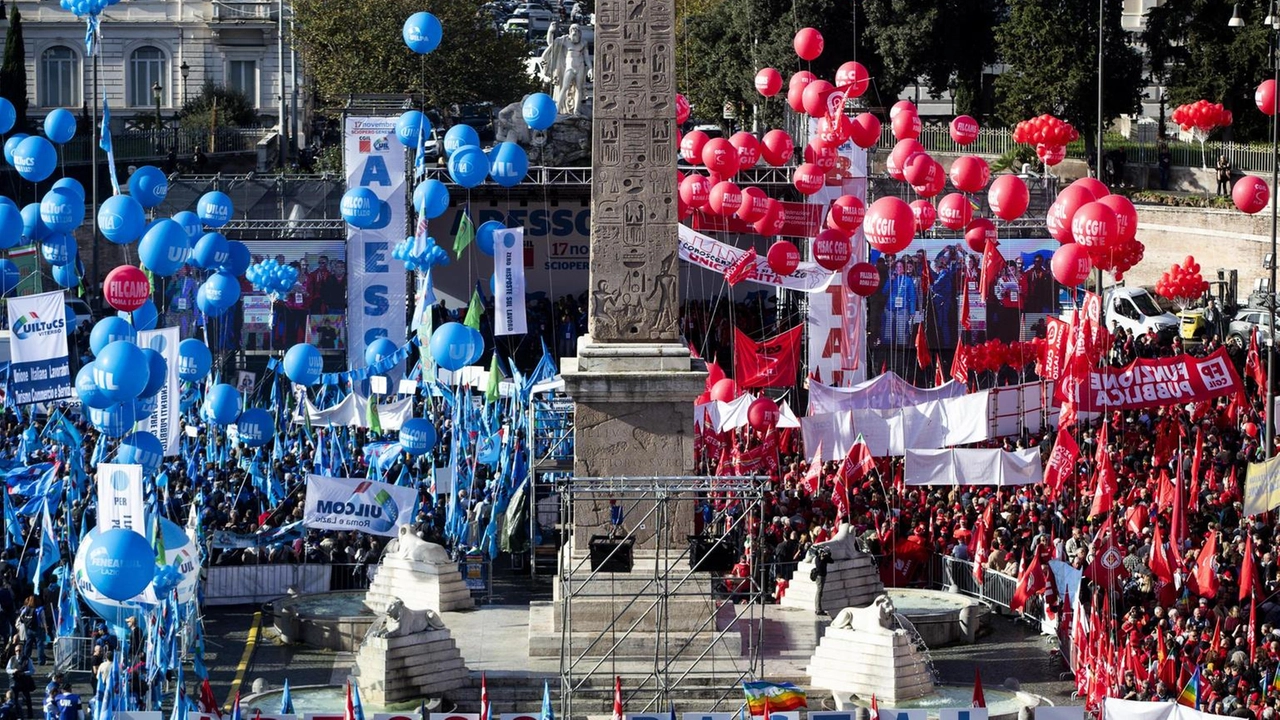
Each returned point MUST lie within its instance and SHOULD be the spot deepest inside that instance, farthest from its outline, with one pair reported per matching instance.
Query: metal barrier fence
(73, 654)
(996, 588)
(246, 584)
(154, 145)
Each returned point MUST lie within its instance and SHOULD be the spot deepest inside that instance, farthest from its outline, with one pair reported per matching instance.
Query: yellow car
(1191, 324)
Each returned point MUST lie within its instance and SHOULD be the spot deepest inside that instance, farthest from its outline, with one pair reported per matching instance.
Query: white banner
(120, 503)
(1115, 709)
(166, 422)
(713, 255)
(353, 504)
(929, 425)
(837, 320)
(882, 392)
(353, 411)
(39, 370)
(374, 158)
(1262, 487)
(508, 280)
(964, 466)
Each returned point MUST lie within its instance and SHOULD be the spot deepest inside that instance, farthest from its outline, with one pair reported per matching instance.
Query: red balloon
(1070, 264)
(1250, 194)
(748, 147)
(778, 148)
(768, 82)
(795, 97)
(853, 78)
(720, 157)
(1008, 197)
(969, 173)
(814, 97)
(824, 157)
(919, 169)
(902, 106)
(683, 211)
(899, 155)
(906, 126)
(724, 198)
(832, 249)
(890, 225)
(964, 130)
(865, 130)
(783, 257)
(1251, 429)
(1095, 226)
(1265, 97)
(695, 190)
(1051, 155)
(754, 204)
(937, 181)
(126, 288)
(1058, 219)
(847, 213)
(763, 414)
(691, 146)
(925, 215)
(808, 43)
(800, 80)
(1094, 186)
(725, 390)
(954, 211)
(1126, 215)
(832, 131)
(773, 220)
(682, 109)
(863, 279)
(979, 232)
(809, 178)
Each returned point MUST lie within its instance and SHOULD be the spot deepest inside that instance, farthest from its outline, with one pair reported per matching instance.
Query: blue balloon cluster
(468, 165)
(410, 125)
(508, 164)
(271, 277)
(33, 157)
(62, 210)
(122, 563)
(83, 8)
(214, 209)
(419, 259)
(431, 198)
(221, 405)
(255, 427)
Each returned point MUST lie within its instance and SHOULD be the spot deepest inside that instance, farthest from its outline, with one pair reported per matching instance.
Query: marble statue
(564, 65)
(408, 546)
(878, 617)
(844, 545)
(399, 621)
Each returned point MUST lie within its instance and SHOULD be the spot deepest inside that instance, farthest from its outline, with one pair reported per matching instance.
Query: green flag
(495, 376)
(157, 542)
(474, 311)
(373, 420)
(466, 233)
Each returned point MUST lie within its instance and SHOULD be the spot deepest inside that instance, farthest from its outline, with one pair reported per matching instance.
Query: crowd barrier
(253, 584)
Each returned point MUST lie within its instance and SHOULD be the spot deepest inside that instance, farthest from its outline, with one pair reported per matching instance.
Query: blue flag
(49, 555)
(105, 143)
(286, 700)
(546, 713)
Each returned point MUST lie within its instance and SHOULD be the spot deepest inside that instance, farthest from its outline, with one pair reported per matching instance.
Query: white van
(1134, 309)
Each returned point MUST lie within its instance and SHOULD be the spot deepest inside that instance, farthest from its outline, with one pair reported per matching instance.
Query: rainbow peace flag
(780, 697)
(1190, 695)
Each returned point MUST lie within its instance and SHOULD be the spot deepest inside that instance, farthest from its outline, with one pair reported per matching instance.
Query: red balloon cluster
(1182, 282)
(1105, 225)
(1202, 115)
(1048, 134)
(993, 354)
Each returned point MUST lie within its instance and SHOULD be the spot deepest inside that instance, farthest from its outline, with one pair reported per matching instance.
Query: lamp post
(1272, 20)
(156, 91)
(185, 69)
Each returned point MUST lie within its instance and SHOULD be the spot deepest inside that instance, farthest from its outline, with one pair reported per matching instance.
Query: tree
(947, 44)
(13, 71)
(355, 46)
(1051, 48)
(1191, 47)
(217, 106)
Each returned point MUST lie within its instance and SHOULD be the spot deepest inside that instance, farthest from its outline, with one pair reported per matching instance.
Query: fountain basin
(334, 620)
(940, 617)
(325, 699)
(1001, 704)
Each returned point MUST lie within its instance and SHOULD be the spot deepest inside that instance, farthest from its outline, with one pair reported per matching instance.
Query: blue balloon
(66, 276)
(33, 228)
(121, 565)
(417, 436)
(222, 404)
(431, 198)
(190, 222)
(58, 249)
(468, 166)
(460, 136)
(205, 306)
(303, 364)
(87, 390)
(360, 207)
(69, 316)
(114, 420)
(539, 111)
(484, 235)
(61, 211)
(477, 345)
(109, 330)
(222, 290)
(121, 219)
(35, 159)
(9, 277)
(10, 227)
(214, 209)
(6, 202)
(144, 318)
(376, 351)
(12, 144)
(422, 32)
(508, 164)
(452, 346)
(141, 448)
(157, 373)
(121, 371)
(256, 427)
(149, 186)
(409, 124)
(71, 184)
(8, 115)
(194, 360)
(238, 259)
(60, 125)
(164, 248)
(210, 251)
(145, 407)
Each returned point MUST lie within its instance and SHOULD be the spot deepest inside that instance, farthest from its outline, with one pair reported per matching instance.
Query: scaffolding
(693, 659)
(551, 419)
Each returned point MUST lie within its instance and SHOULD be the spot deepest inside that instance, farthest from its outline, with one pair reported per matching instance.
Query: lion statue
(408, 546)
(876, 617)
(844, 545)
(399, 621)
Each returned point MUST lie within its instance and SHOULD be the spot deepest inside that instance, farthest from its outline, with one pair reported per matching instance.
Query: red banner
(773, 362)
(1163, 381)
(744, 268)
(1057, 333)
(799, 220)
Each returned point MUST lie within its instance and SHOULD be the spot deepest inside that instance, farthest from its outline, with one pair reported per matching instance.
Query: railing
(73, 654)
(996, 588)
(154, 145)
(252, 584)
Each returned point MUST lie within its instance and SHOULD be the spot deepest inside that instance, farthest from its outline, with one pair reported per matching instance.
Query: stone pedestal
(850, 583)
(396, 669)
(868, 659)
(420, 585)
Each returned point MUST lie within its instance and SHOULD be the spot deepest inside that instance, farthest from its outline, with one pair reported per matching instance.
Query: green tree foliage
(1200, 57)
(355, 46)
(217, 106)
(1051, 49)
(13, 71)
(948, 43)
(723, 43)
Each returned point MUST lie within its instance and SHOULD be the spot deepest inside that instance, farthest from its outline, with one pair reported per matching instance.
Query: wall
(1216, 238)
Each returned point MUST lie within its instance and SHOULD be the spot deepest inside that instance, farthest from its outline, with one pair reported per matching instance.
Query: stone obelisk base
(850, 583)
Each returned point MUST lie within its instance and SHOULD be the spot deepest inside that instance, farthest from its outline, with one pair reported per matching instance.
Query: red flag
(960, 364)
(1248, 570)
(1249, 633)
(1104, 490)
(964, 303)
(992, 266)
(617, 698)
(1062, 463)
(1253, 362)
(208, 703)
(484, 698)
(1195, 465)
(1108, 564)
(1135, 518)
(979, 698)
(875, 707)
(938, 378)
(1159, 562)
(813, 474)
(744, 268)
(1030, 582)
(1166, 668)
(1177, 516)
(982, 531)
(855, 466)
(714, 375)
(349, 712)
(1206, 571)
(772, 362)
(923, 358)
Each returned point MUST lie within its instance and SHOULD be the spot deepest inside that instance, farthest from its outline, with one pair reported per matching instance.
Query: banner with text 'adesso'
(39, 370)
(374, 158)
(354, 504)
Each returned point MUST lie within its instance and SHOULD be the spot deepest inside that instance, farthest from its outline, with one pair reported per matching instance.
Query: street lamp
(185, 69)
(156, 91)
(1272, 20)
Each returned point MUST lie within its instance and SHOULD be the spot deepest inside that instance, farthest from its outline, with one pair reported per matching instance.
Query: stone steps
(888, 665)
